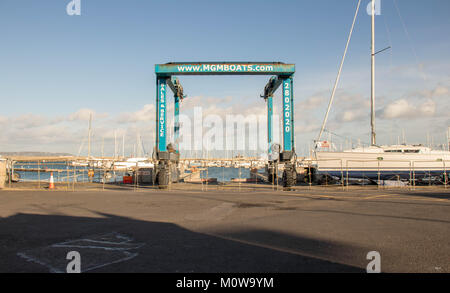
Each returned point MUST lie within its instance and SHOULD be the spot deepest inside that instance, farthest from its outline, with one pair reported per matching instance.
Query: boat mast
(448, 138)
(372, 105)
(115, 144)
(103, 145)
(89, 135)
(123, 146)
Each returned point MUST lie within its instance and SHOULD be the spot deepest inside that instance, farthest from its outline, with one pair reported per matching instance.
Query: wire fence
(379, 172)
(69, 175)
(72, 175)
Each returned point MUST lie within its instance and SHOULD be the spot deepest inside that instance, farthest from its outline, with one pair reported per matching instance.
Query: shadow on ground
(165, 247)
(445, 194)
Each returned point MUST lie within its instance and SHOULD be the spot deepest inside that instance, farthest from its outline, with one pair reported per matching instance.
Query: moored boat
(385, 162)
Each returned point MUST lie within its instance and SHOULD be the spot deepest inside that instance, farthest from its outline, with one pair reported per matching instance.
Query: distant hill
(33, 154)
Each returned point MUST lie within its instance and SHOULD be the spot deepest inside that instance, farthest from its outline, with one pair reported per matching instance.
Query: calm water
(66, 173)
(226, 174)
(63, 173)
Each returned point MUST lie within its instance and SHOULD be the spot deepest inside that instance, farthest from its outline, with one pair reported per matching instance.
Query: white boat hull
(382, 165)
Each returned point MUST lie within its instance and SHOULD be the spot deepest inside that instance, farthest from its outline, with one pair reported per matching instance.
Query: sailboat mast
(89, 135)
(372, 99)
(448, 138)
(103, 144)
(115, 144)
(123, 146)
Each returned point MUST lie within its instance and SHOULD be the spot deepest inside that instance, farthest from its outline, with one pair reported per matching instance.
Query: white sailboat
(131, 163)
(137, 160)
(381, 162)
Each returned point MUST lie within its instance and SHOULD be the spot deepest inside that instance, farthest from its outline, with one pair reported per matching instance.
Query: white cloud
(147, 113)
(312, 102)
(46, 134)
(28, 121)
(350, 115)
(428, 108)
(440, 91)
(84, 114)
(347, 107)
(308, 128)
(65, 133)
(404, 109)
(3, 120)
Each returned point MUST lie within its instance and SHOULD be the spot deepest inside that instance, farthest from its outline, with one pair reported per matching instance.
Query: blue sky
(55, 67)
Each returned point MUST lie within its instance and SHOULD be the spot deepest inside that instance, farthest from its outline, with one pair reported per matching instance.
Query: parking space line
(396, 196)
(378, 196)
(404, 197)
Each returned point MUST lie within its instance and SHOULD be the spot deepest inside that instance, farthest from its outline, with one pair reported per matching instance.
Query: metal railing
(379, 172)
(75, 175)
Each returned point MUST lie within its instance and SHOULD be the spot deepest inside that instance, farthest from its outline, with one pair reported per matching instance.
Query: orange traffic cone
(52, 183)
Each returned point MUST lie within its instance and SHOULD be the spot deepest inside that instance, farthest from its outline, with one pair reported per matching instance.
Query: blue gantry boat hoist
(167, 155)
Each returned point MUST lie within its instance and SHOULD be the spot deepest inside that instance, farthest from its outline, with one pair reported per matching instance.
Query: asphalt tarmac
(226, 230)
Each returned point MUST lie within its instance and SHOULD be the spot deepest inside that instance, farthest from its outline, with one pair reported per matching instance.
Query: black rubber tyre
(271, 176)
(163, 178)
(289, 177)
(174, 174)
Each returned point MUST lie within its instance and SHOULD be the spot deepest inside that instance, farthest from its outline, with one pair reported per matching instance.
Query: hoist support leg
(176, 125)
(288, 154)
(162, 165)
(270, 165)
